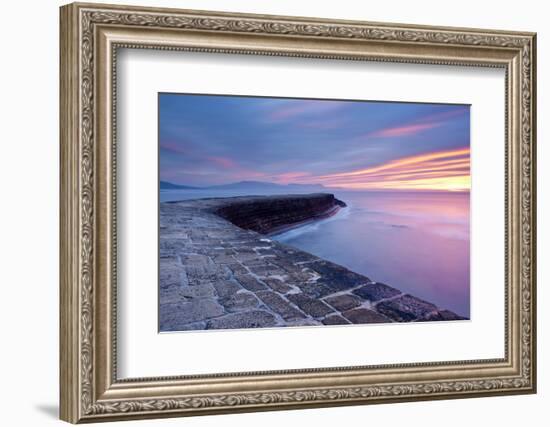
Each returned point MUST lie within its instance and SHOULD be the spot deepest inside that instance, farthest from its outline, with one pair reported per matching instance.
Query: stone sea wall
(269, 215)
(219, 269)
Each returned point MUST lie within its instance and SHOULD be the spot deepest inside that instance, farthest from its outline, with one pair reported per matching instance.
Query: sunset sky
(207, 140)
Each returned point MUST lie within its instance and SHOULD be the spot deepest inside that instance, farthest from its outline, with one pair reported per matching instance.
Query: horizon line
(336, 188)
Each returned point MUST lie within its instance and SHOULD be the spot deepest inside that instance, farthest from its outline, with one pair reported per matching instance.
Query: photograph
(278, 212)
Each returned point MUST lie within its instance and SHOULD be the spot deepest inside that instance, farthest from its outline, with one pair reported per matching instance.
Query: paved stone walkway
(215, 275)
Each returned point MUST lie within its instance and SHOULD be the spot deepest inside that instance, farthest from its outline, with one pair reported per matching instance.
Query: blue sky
(206, 140)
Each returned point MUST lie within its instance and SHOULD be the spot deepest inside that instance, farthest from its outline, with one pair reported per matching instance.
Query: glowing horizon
(440, 170)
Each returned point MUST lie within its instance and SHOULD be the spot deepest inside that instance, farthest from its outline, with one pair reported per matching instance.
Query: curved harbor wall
(273, 214)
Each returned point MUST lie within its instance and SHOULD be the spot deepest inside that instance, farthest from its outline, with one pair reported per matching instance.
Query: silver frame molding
(90, 37)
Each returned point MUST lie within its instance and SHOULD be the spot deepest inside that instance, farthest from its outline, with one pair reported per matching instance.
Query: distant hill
(245, 185)
(311, 186)
(261, 185)
(164, 185)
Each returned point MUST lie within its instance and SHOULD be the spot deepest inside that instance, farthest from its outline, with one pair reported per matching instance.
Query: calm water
(416, 242)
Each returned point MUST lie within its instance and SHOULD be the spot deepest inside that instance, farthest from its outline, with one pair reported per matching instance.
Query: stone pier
(219, 269)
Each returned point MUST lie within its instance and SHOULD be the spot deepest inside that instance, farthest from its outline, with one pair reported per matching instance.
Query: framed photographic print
(264, 212)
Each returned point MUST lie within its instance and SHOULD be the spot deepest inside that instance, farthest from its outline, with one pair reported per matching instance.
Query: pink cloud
(288, 177)
(223, 162)
(285, 112)
(174, 147)
(297, 108)
(403, 130)
(321, 124)
(234, 168)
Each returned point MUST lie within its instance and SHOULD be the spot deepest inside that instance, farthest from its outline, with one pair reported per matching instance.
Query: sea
(415, 241)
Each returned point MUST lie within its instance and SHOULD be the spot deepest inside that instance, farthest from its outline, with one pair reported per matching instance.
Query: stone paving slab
(217, 275)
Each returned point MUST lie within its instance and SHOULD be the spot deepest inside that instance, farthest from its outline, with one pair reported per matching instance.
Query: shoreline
(305, 223)
(283, 229)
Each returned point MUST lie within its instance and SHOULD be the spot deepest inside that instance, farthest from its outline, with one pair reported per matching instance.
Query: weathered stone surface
(265, 252)
(294, 256)
(226, 288)
(280, 305)
(249, 319)
(284, 261)
(313, 307)
(344, 302)
(171, 248)
(314, 289)
(237, 268)
(277, 285)
(176, 316)
(223, 259)
(266, 270)
(336, 277)
(364, 315)
(172, 273)
(442, 315)
(171, 294)
(249, 282)
(240, 302)
(376, 292)
(301, 275)
(204, 290)
(245, 254)
(335, 320)
(198, 266)
(405, 308)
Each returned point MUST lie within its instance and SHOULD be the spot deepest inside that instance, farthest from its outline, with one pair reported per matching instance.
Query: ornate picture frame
(90, 37)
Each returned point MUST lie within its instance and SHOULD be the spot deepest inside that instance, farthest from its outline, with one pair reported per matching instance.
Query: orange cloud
(455, 183)
(441, 170)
